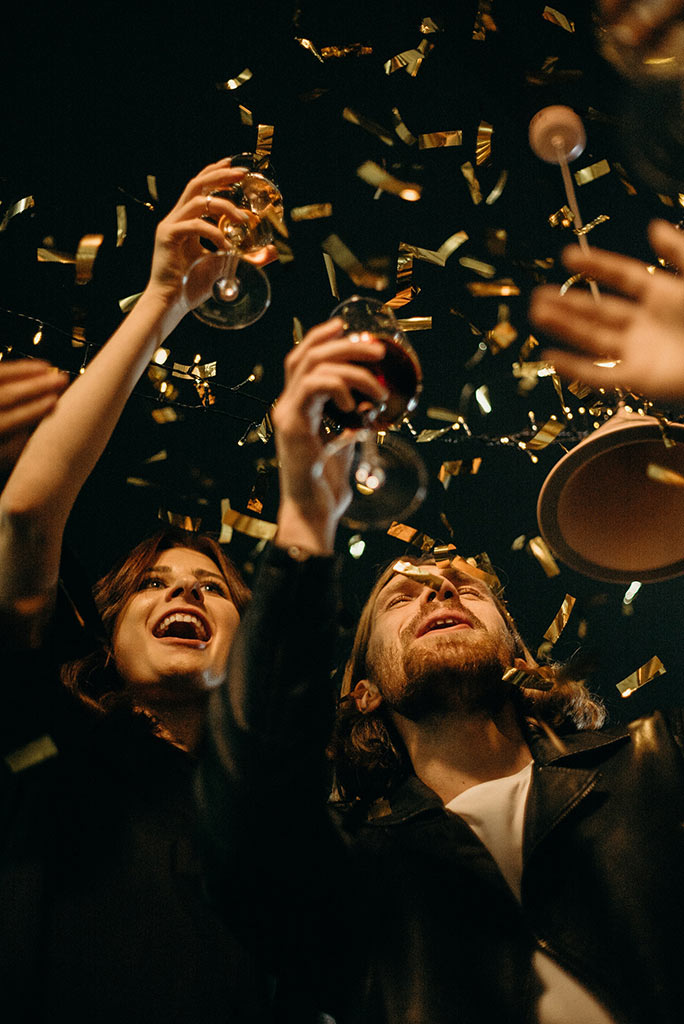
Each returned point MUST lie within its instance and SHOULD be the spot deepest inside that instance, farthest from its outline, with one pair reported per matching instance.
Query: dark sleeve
(262, 781)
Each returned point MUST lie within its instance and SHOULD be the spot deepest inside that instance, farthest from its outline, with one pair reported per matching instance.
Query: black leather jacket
(405, 918)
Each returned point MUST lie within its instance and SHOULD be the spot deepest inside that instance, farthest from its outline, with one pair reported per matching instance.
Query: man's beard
(445, 677)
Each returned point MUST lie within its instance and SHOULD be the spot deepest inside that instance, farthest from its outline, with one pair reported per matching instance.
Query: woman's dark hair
(94, 677)
(368, 755)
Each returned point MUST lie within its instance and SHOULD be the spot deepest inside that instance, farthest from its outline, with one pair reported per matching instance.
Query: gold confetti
(528, 346)
(27, 203)
(592, 172)
(538, 547)
(297, 330)
(546, 434)
(235, 83)
(498, 188)
(409, 60)
(31, 754)
(560, 620)
(415, 323)
(479, 266)
(332, 275)
(440, 140)
(183, 522)
(138, 481)
(53, 256)
(248, 525)
(502, 336)
(579, 390)
(401, 129)
(601, 219)
(664, 475)
(482, 571)
(152, 187)
(563, 217)
(264, 144)
(85, 257)
(427, 26)
(246, 115)
(418, 573)
(485, 289)
(458, 467)
(313, 211)
(411, 536)
(556, 18)
(372, 127)
(403, 297)
(483, 143)
(160, 456)
(121, 225)
(350, 50)
(646, 674)
(436, 256)
(468, 172)
(127, 304)
(373, 174)
(347, 261)
(167, 414)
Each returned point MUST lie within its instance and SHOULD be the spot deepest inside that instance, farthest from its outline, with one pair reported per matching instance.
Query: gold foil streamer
(194, 370)
(418, 573)
(160, 456)
(411, 536)
(297, 330)
(246, 115)
(592, 172)
(538, 547)
(440, 140)
(525, 680)
(502, 336)
(546, 434)
(31, 754)
(167, 414)
(646, 674)
(578, 389)
(471, 567)
(498, 188)
(528, 346)
(85, 257)
(428, 26)
(483, 143)
(138, 481)
(345, 258)
(664, 475)
(560, 619)
(468, 172)
(206, 395)
(264, 144)
(235, 83)
(350, 50)
(601, 219)
(152, 187)
(53, 256)
(247, 524)
(556, 18)
(314, 211)
(307, 44)
(183, 522)
(127, 304)
(415, 323)
(401, 129)
(458, 467)
(121, 225)
(436, 256)
(563, 217)
(372, 127)
(485, 289)
(479, 266)
(409, 60)
(403, 297)
(332, 275)
(27, 203)
(373, 174)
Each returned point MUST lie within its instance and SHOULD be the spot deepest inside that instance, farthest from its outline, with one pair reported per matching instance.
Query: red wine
(400, 372)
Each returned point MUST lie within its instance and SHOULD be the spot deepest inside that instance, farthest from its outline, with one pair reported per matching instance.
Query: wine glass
(388, 477)
(240, 292)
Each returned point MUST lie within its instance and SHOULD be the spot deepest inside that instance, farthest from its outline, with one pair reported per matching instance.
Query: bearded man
(491, 852)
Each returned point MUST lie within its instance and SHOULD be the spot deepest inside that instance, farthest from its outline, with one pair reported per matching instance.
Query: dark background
(97, 98)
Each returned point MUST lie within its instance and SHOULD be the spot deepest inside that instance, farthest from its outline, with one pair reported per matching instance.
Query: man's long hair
(367, 752)
(94, 677)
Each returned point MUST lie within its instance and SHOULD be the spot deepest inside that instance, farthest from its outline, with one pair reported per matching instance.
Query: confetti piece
(592, 172)
(188, 372)
(246, 115)
(53, 256)
(372, 127)
(349, 50)
(31, 754)
(440, 140)
(436, 256)
(498, 189)
(560, 620)
(409, 60)
(373, 174)
(411, 536)
(538, 547)
(562, 218)
(556, 18)
(458, 467)
(167, 414)
(601, 219)
(121, 225)
(485, 289)
(347, 261)
(415, 323)
(127, 304)
(482, 571)
(664, 475)
(27, 203)
(313, 211)
(418, 573)
(183, 522)
(401, 129)
(468, 172)
(479, 266)
(646, 674)
(248, 525)
(546, 434)
(235, 83)
(86, 254)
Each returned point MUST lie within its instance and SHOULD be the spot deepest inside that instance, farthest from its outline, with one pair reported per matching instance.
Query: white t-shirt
(495, 811)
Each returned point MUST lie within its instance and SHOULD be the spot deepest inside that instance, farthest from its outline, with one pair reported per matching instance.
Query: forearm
(66, 445)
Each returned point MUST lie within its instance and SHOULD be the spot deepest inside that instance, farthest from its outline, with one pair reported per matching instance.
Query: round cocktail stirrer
(557, 136)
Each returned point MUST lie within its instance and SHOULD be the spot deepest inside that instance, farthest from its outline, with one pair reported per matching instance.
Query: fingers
(667, 241)
(576, 317)
(574, 367)
(214, 176)
(26, 415)
(621, 273)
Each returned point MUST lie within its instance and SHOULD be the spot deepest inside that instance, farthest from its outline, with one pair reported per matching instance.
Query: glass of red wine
(240, 292)
(389, 479)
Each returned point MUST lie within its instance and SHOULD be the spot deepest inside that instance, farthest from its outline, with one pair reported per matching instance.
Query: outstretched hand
(314, 486)
(29, 389)
(639, 21)
(641, 327)
(196, 215)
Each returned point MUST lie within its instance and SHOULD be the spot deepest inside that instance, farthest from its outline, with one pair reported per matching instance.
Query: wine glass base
(389, 483)
(251, 298)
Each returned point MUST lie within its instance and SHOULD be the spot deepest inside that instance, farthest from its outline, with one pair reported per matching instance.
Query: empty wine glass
(388, 477)
(240, 290)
